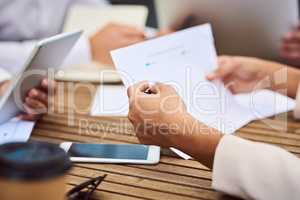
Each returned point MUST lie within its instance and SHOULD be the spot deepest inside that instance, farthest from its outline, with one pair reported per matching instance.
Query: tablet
(247, 28)
(46, 57)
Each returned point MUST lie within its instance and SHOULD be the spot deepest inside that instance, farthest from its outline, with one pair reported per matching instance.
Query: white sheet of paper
(15, 131)
(92, 18)
(183, 59)
(110, 100)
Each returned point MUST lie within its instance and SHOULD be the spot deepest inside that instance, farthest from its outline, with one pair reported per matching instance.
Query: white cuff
(4, 75)
(252, 170)
(226, 177)
(80, 54)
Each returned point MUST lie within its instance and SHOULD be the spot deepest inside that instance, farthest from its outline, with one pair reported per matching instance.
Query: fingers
(127, 30)
(36, 102)
(290, 53)
(29, 117)
(38, 95)
(47, 85)
(35, 106)
(139, 88)
(42, 93)
(226, 66)
(165, 31)
(127, 41)
(290, 48)
(33, 110)
(133, 32)
(292, 37)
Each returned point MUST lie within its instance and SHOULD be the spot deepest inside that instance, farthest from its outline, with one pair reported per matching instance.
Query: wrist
(92, 48)
(288, 78)
(197, 140)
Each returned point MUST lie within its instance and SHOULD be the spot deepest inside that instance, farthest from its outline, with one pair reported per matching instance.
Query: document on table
(15, 131)
(110, 100)
(182, 60)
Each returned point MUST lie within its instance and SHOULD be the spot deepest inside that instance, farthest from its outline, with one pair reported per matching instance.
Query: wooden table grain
(172, 178)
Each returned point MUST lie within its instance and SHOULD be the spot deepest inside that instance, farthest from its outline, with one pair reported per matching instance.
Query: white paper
(15, 131)
(182, 60)
(110, 100)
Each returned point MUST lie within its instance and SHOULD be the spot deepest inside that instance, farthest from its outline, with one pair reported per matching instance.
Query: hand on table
(160, 118)
(111, 37)
(36, 101)
(290, 47)
(243, 74)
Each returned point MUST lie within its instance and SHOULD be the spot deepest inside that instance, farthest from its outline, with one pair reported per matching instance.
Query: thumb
(226, 66)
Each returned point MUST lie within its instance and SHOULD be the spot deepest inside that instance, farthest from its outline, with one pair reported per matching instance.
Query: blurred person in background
(22, 22)
(290, 47)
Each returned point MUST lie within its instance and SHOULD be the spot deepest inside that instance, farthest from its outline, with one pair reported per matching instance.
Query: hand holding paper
(183, 60)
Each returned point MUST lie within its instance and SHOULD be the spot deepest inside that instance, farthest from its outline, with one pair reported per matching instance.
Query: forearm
(293, 81)
(198, 141)
(285, 79)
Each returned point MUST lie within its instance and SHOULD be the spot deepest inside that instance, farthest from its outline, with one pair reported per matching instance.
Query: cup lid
(32, 161)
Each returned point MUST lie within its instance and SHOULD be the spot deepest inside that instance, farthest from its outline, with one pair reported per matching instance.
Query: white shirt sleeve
(14, 55)
(255, 171)
(4, 75)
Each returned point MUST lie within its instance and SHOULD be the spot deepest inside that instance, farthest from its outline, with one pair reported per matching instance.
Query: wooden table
(172, 179)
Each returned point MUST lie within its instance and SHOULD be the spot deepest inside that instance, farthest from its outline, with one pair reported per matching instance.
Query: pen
(148, 90)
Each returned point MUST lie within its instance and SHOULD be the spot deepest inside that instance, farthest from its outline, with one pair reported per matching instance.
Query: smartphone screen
(109, 151)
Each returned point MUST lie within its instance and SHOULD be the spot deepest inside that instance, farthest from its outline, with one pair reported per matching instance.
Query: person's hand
(3, 87)
(290, 47)
(164, 32)
(184, 22)
(111, 37)
(37, 101)
(153, 110)
(243, 74)
(159, 117)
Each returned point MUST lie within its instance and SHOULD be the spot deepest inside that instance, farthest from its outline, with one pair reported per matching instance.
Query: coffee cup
(33, 171)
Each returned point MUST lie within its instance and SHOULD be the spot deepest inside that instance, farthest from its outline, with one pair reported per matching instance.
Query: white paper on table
(15, 131)
(110, 100)
(183, 59)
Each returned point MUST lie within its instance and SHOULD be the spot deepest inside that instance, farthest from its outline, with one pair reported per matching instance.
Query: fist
(290, 47)
(157, 113)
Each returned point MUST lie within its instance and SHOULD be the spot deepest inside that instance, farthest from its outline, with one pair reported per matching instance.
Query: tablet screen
(48, 55)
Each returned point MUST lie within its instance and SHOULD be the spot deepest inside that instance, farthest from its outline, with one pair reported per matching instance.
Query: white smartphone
(112, 153)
